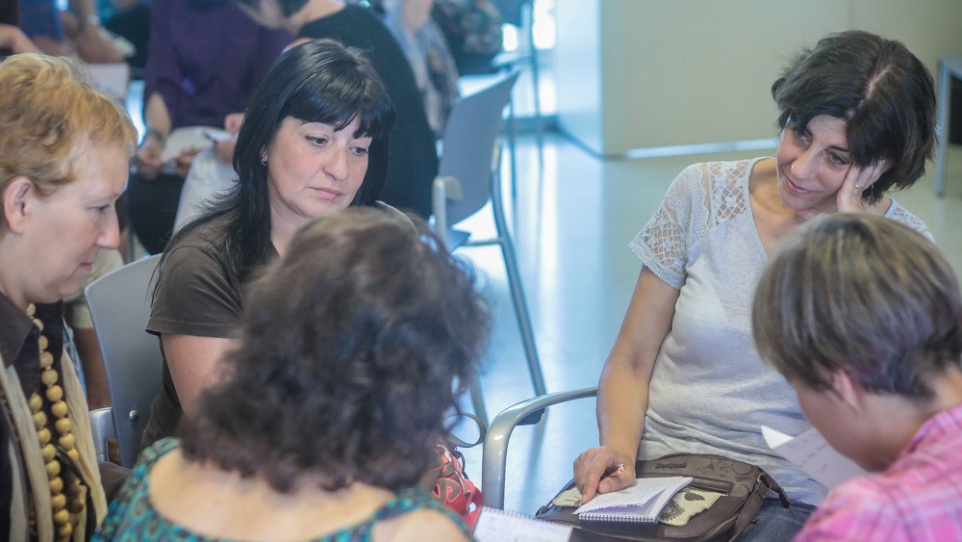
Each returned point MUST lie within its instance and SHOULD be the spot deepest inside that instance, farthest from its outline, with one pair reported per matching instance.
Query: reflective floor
(572, 219)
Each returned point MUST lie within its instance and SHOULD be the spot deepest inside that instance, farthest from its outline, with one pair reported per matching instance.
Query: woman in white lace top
(857, 119)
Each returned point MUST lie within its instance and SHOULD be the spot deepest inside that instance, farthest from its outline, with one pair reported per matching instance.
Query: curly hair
(49, 114)
(354, 349)
(862, 294)
(883, 92)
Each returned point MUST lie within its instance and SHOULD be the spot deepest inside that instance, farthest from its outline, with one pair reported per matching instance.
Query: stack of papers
(814, 455)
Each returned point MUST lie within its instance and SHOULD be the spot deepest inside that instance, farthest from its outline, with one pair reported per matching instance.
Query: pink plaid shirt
(918, 498)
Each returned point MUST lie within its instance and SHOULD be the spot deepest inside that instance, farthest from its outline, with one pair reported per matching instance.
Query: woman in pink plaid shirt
(863, 317)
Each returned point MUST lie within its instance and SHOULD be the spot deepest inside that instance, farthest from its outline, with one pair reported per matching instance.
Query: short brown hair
(49, 114)
(864, 295)
(882, 91)
(354, 347)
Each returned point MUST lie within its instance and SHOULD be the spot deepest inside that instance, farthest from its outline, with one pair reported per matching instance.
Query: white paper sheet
(186, 138)
(111, 79)
(814, 455)
(499, 526)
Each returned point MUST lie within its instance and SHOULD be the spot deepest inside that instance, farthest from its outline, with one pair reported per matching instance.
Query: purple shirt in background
(205, 58)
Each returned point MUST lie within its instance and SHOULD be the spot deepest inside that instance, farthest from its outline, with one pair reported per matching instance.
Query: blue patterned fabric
(133, 518)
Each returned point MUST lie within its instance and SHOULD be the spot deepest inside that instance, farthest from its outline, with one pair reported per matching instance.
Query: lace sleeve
(900, 214)
(662, 244)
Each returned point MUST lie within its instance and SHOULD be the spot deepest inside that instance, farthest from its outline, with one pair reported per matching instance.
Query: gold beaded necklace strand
(67, 493)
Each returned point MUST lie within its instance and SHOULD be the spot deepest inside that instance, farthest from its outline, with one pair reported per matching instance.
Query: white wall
(650, 73)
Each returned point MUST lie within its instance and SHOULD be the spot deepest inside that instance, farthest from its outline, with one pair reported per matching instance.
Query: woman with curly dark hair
(354, 349)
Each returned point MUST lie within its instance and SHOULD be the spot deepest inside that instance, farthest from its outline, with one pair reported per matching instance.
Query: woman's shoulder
(415, 515)
(900, 214)
(205, 230)
(421, 524)
(710, 175)
(137, 484)
(196, 275)
(202, 242)
(132, 515)
(151, 454)
(720, 185)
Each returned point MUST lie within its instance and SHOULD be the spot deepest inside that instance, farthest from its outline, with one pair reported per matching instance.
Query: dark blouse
(20, 348)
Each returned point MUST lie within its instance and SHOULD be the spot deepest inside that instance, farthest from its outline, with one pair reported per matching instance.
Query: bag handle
(482, 431)
(765, 484)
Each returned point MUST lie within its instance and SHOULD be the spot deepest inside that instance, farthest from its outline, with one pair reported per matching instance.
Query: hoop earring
(264, 161)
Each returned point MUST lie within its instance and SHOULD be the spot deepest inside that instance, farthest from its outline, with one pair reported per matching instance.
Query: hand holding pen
(602, 470)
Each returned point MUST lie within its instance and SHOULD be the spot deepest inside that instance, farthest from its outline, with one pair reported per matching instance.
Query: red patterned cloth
(454, 490)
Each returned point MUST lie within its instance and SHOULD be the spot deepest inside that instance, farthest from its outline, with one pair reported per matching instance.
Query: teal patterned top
(132, 517)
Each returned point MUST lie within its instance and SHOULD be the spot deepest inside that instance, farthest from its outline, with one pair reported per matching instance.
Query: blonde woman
(64, 150)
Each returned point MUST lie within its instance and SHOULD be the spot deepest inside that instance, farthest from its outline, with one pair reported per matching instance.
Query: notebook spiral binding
(617, 518)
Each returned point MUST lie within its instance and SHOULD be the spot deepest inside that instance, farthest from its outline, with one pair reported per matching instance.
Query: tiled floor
(572, 220)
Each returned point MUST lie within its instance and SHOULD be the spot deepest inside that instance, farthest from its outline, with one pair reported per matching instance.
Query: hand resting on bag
(590, 470)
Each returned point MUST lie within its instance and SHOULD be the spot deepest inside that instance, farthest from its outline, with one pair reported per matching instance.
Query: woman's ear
(885, 164)
(849, 390)
(16, 197)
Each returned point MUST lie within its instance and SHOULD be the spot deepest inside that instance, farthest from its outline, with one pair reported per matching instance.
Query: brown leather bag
(732, 490)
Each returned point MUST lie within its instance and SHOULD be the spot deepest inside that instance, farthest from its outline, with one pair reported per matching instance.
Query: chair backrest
(119, 306)
(470, 137)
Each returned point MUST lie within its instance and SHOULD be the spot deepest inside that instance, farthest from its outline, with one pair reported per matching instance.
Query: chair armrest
(102, 428)
(444, 189)
(495, 453)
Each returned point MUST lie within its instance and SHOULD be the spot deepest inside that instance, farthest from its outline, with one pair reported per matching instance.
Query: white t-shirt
(710, 391)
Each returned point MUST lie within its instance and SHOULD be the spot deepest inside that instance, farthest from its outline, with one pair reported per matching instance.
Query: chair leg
(511, 149)
(514, 279)
(516, 287)
(521, 310)
(535, 71)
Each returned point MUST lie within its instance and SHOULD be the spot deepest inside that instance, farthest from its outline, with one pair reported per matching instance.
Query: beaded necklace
(67, 492)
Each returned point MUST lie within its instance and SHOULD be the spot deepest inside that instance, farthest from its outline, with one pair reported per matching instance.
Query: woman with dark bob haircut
(302, 152)
(857, 118)
(884, 94)
(354, 348)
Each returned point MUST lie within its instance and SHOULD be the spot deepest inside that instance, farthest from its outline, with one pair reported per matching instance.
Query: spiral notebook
(640, 502)
(500, 526)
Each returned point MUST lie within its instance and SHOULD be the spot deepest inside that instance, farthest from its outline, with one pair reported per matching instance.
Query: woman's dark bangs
(376, 119)
(339, 109)
(309, 105)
